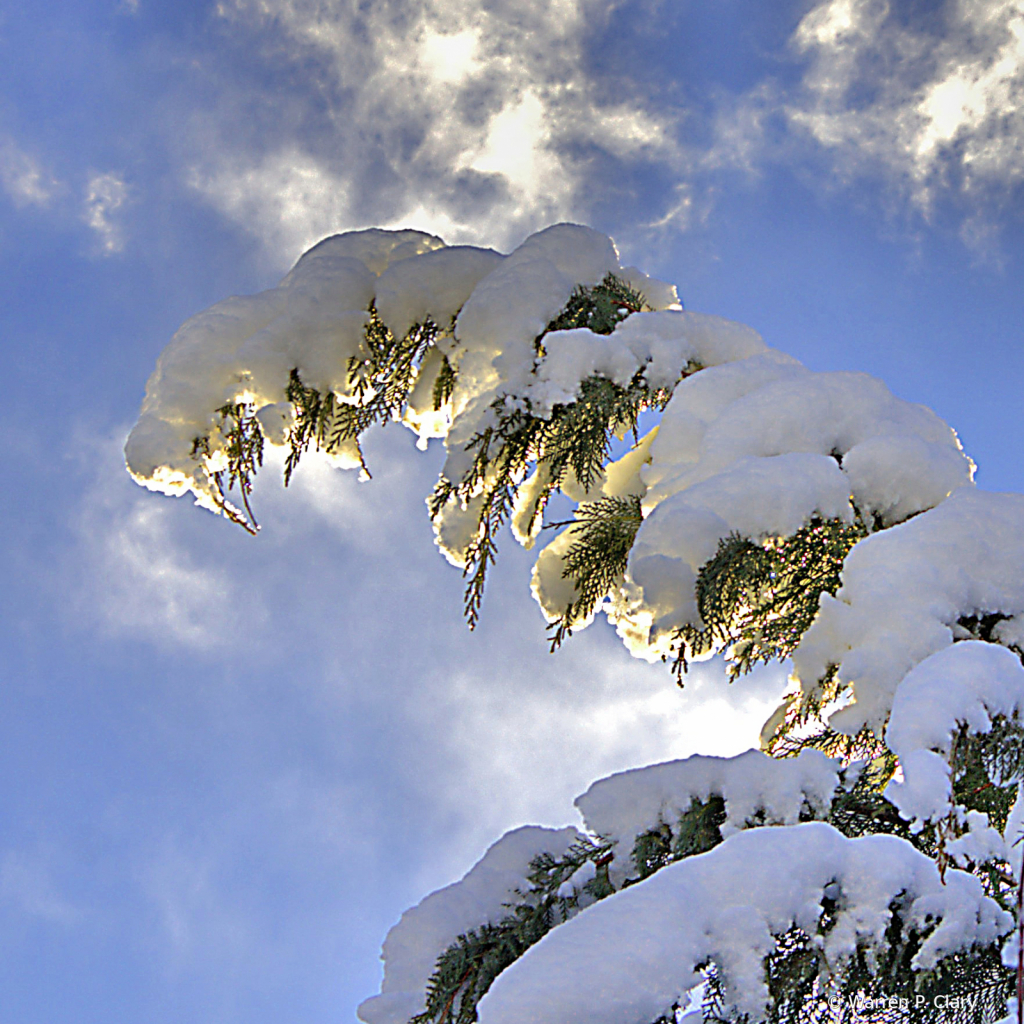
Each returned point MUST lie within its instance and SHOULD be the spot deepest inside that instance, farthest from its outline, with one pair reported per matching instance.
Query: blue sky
(229, 764)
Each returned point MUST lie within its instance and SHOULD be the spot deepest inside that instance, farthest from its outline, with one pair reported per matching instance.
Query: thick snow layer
(773, 406)
(435, 286)
(754, 444)
(243, 349)
(759, 447)
(660, 343)
(413, 945)
(623, 806)
(904, 590)
(751, 442)
(627, 959)
(968, 684)
(979, 843)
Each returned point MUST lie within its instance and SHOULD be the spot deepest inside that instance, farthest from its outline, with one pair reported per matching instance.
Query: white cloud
(105, 194)
(479, 118)
(517, 148)
(520, 744)
(474, 733)
(935, 102)
(22, 177)
(449, 57)
(289, 199)
(136, 575)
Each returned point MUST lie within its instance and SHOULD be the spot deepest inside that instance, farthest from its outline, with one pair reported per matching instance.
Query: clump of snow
(758, 445)
(751, 441)
(979, 844)
(623, 806)
(435, 286)
(904, 590)
(243, 350)
(967, 684)
(413, 945)
(659, 345)
(631, 956)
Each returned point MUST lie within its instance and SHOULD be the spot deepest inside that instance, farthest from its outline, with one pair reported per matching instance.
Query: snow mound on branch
(627, 804)
(900, 457)
(413, 945)
(660, 343)
(967, 683)
(500, 322)
(433, 286)
(904, 591)
(243, 349)
(631, 956)
(759, 446)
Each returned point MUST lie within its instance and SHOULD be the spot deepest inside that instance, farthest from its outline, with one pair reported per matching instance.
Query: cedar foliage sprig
(603, 532)
(465, 970)
(757, 600)
(574, 438)
(380, 380)
(243, 449)
(599, 308)
(444, 384)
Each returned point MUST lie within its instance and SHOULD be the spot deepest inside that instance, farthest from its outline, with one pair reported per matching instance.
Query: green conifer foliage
(243, 449)
(756, 600)
(574, 439)
(380, 380)
(603, 532)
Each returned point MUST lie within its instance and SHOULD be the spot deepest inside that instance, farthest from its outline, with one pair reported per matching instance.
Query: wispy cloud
(105, 194)
(289, 198)
(472, 119)
(932, 98)
(22, 176)
(520, 744)
(135, 573)
(26, 884)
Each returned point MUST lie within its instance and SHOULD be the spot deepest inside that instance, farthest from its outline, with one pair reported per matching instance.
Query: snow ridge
(632, 956)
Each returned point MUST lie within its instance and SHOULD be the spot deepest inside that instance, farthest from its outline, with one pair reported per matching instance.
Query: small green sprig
(603, 532)
(756, 600)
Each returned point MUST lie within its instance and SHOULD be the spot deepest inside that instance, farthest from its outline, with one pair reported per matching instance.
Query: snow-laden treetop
(773, 512)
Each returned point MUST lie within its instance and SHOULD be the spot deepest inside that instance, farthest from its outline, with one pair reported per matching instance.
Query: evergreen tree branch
(603, 532)
(756, 600)
(574, 438)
